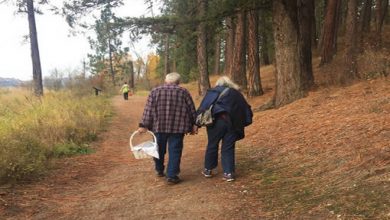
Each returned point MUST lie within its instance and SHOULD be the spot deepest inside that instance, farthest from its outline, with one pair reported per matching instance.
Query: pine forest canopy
(235, 37)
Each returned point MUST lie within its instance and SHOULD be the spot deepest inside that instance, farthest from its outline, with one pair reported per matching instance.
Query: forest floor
(326, 156)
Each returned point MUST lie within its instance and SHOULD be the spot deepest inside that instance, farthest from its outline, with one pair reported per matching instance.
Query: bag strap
(222, 93)
(219, 96)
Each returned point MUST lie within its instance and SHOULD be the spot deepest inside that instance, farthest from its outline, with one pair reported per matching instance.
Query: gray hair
(172, 78)
(226, 81)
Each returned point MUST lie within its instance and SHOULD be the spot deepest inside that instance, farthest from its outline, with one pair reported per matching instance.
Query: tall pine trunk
(366, 17)
(264, 39)
(381, 11)
(131, 70)
(350, 72)
(238, 74)
(288, 53)
(254, 84)
(36, 60)
(217, 54)
(166, 55)
(112, 72)
(329, 32)
(305, 21)
(229, 46)
(202, 50)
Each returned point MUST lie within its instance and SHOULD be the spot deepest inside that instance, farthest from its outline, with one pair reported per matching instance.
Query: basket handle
(136, 132)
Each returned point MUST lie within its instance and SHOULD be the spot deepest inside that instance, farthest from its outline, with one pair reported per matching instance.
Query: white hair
(226, 81)
(172, 78)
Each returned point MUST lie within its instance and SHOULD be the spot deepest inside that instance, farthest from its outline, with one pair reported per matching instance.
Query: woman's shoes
(229, 177)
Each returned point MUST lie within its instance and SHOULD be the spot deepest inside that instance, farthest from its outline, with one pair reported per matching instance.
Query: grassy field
(34, 130)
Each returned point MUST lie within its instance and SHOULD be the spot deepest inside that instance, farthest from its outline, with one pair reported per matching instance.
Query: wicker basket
(139, 151)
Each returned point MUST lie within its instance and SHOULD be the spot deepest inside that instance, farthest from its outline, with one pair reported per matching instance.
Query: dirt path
(111, 184)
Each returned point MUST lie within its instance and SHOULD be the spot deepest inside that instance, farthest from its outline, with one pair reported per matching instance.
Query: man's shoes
(160, 174)
(208, 173)
(173, 180)
(229, 177)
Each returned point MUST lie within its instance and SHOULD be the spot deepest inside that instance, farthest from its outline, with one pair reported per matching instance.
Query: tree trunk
(264, 40)
(238, 74)
(305, 22)
(381, 11)
(229, 46)
(254, 86)
(217, 54)
(289, 82)
(166, 55)
(314, 34)
(35, 58)
(329, 31)
(202, 50)
(131, 70)
(350, 72)
(111, 63)
(366, 17)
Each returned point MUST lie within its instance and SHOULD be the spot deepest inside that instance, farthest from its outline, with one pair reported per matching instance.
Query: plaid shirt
(169, 109)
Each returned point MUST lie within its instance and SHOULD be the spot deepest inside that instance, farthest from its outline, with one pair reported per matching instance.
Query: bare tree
(36, 60)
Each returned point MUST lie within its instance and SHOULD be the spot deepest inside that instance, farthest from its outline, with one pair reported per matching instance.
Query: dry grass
(33, 130)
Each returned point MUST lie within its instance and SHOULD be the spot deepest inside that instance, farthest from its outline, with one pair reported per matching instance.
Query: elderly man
(169, 113)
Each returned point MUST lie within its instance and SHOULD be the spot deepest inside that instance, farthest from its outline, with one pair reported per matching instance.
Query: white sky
(57, 49)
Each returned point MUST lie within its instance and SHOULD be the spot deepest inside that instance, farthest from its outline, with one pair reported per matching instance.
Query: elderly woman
(231, 114)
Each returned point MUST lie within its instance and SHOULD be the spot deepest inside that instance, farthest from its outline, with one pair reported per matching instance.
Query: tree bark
(254, 86)
(238, 74)
(166, 55)
(35, 58)
(329, 33)
(217, 54)
(366, 17)
(202, 50)
(289, 81)
(350, 72)
(229, 46)
(131, 72)
(264, 40)
(381, 11)
(305, 9)
(112, 72)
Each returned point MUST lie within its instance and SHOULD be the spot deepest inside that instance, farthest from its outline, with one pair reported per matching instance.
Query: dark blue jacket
(233, 103)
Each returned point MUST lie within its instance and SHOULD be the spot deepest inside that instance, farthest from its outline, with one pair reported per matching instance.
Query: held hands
(194, 130)
(142, 130)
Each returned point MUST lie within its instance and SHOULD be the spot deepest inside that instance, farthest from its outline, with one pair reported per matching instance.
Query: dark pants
(126, 95)
(175, 148)
(221, 130)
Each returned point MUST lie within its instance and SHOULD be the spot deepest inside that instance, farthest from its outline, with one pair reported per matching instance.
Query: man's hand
(194, 130)
(142, 130)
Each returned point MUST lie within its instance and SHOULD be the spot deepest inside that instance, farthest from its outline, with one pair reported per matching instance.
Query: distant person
(125, 90)
(231, 115)
(169, 113)
(97, 90)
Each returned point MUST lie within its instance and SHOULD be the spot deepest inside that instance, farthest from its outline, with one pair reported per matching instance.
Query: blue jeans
(175, 148)
(221, 130)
